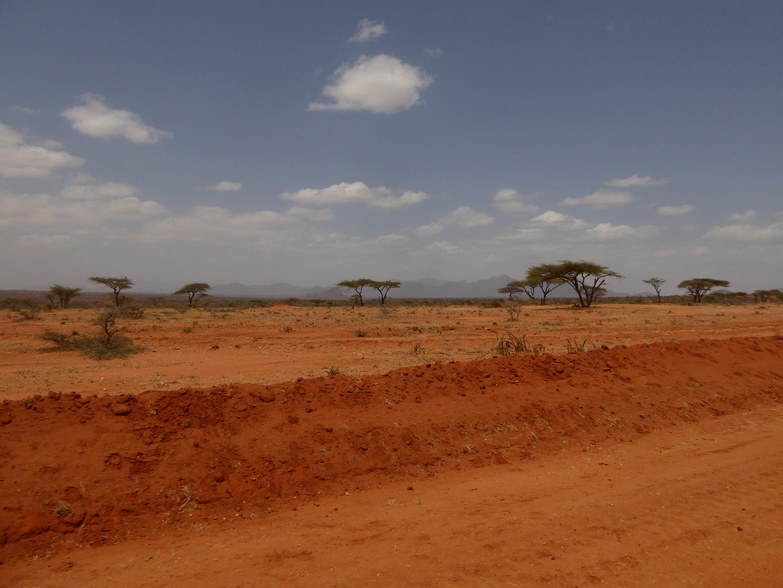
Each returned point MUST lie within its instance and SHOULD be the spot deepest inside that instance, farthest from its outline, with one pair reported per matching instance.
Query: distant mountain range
(426, 288)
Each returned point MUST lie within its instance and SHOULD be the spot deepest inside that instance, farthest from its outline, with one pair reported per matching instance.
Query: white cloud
(43, 210)
(22, 159)
(429, 230)
(226, 186)
(748, 233)
(559, 220)
(407, 198)
(608, 232)
(97, 120)
(636, 181)
(509, 200)
(601, 199)
(367, 30)
(434, 52)
(105, 190)
(467, 218)
(313, 214)
(675, 210)
(743, 217)
(213, 224)
(381, 84)
(379, 197)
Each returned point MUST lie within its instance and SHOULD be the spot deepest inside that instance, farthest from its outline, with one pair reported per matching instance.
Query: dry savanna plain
(621, 445)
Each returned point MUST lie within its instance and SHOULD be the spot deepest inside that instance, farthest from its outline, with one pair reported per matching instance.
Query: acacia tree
(62, 294)
(117, 285)
(383, 288)
(511, 289)
(656, 283)
(698, 287)
(195, 291)
(357, 286)
(585, 277)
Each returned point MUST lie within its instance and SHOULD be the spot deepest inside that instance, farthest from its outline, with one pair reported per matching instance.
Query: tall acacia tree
(698, 287)
(357, 286)
(656, 283)
(383, 288)
(117, 285)
(585, 277)
(195, 291)
(62, 294)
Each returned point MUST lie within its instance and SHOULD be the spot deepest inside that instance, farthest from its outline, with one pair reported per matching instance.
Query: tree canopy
(357, 286)
(383, 288)
(195, 291)
(62, 294)
(585, 277)
(698, 287)
(656, 283)
(117, 285)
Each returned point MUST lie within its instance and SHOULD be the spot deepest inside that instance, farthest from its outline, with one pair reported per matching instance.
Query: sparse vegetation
(117, 285)
(511, 344)
(110, 344)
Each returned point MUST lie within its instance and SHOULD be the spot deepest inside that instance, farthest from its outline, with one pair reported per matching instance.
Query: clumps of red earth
(78, 470)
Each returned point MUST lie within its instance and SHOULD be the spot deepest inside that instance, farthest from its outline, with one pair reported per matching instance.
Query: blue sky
(311, 142)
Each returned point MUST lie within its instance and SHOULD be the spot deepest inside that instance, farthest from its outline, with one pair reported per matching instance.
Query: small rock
(120, 409)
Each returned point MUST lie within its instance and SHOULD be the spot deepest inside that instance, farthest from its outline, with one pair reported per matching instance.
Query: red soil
(651, 464)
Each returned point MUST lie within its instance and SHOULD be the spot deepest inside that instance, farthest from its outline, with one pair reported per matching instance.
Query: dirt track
(627, 466)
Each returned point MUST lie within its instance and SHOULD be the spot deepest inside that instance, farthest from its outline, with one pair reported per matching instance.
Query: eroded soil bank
(105, 470)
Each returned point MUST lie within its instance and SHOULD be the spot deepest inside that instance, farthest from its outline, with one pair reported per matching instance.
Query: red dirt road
(634, 466)
(700, 505)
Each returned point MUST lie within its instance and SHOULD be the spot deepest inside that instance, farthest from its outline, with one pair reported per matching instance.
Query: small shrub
(511, 344)
(361, 333)
(332, 371)
(576, 345)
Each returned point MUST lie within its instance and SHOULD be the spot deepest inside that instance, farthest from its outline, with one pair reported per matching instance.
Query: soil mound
(78, 470)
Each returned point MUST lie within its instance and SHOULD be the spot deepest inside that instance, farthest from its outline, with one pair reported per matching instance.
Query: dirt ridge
(91, 470)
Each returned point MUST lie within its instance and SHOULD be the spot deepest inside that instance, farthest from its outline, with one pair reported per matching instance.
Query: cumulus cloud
(43, 210)
(20, 158)
(97, 120)
(636, 181)
(368, 30)
(601, 199)
(748, 233)
(675, 210)
(559, 220)
(609, 232)
(104, 190)
(509, 200)
(382, 84)
(429, 229)
(215, 225)
(226, 187)
(312, 214)
(743, 217)
(379, 197)
(467, 218)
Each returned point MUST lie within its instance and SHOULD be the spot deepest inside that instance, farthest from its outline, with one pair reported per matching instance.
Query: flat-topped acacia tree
(357, 286)
(585, 277)
(383, 288)
(195, 291)
(117, 285)
(656, 283)
(698, 287)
